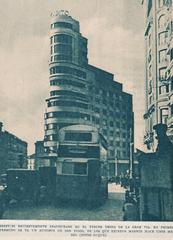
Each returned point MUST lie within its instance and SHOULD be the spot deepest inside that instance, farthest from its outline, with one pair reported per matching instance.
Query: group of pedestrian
(131, 203)
(122, 179)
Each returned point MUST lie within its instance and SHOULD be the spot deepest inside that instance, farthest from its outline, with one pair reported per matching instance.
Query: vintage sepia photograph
(86, 110)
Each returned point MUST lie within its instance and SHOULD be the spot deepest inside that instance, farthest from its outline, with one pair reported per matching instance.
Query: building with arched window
(159, 67)
(84, 94)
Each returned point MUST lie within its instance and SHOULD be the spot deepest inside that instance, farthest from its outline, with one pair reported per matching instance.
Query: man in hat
(164, 144)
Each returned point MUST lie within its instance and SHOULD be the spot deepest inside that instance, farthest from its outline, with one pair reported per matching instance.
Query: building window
(67, 70)
(149, 56)
(97, 121)
(163, 115)
(62, 57)
(162, 56)
(162, 74)
(66, 93)
(64, 114)
(51, 50)
(172, 83)
(61, 25)
(149, 40)
(172, 110)
(150, 71)
(163, 36)
(111, 133)
(171, 54)
(63, 49)
(104, 111)
(111, 123)
(67, 104)
(111, 153)
(150, 86)
(104, 132)
(63, 38)
(149, 7)
(97, 110)
(59, 82)
(161, 21)
(163, 89)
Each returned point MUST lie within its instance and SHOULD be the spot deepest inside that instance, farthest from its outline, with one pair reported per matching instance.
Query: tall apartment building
(13, 151)
(84, 94)
(159, 67)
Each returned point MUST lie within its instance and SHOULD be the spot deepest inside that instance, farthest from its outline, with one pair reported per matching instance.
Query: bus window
(67, 168)
(74, 168)
(80, 168)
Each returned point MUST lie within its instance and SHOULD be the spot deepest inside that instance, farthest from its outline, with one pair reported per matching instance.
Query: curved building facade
(68, 100)
(158, 79)
(83, 94)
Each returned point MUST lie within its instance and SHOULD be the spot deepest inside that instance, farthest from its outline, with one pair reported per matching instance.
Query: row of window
(67, 93)
(67, 70)
(61, 38)
(65, 114)
(62, 49)
(61, 57)
(59, 82)
(61, 25)
(105, 101)
(119, 154)
(68, 104)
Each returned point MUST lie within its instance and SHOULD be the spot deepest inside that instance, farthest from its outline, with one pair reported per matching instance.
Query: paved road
(111, 210)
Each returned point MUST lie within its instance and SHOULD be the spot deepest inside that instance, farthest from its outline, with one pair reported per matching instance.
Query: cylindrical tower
(68, 100)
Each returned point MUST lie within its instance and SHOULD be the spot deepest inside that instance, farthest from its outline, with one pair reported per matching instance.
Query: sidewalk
(113, 188)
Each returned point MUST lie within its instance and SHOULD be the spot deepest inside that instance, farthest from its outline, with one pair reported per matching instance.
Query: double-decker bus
(82, 167)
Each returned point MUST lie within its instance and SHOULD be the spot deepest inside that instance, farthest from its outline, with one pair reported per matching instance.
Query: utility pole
(131, 154)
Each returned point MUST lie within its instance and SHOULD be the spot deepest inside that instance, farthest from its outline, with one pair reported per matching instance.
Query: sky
(115, 32)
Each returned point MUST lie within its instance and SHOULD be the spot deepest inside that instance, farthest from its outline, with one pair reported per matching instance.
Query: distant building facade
(159, 68)
(38, 159)
(13, 151)
(84, 94)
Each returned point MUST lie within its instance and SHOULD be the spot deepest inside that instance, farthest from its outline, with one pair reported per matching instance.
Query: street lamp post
(131, 154)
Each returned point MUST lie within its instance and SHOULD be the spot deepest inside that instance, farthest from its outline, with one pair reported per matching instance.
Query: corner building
(159, 68)
(84, 94)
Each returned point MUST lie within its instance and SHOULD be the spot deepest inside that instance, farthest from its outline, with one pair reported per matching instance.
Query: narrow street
(110, 211)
